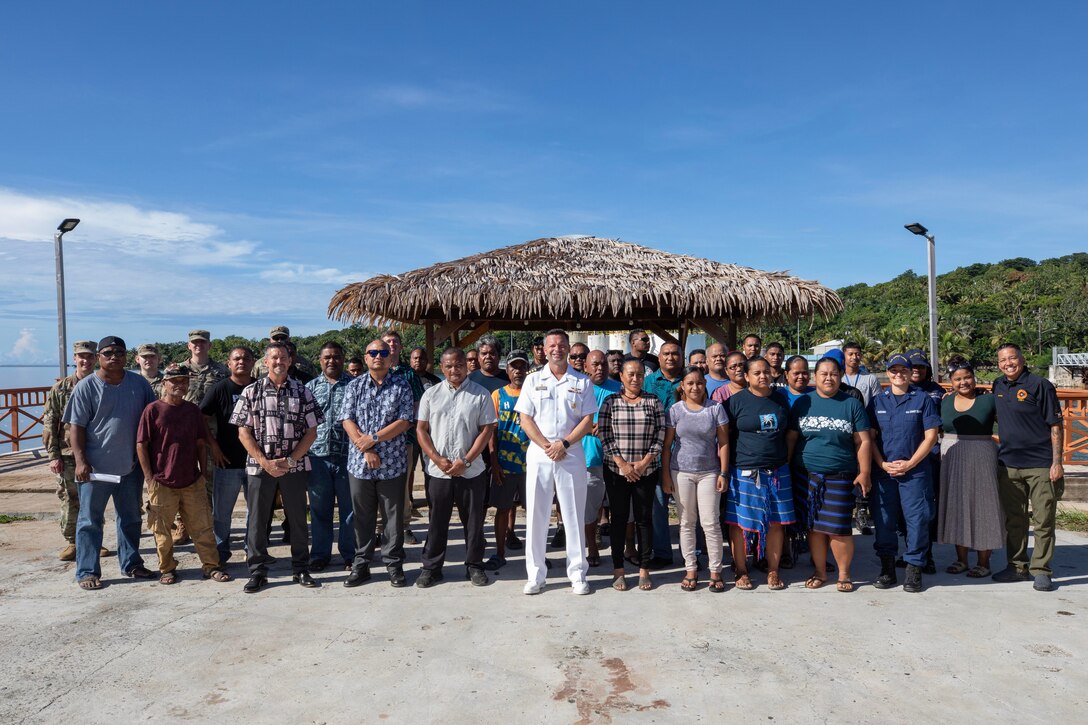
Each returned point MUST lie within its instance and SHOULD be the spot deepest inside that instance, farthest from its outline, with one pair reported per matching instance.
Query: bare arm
(723, 456)
(143, 454)
(666, 461)
(79, 451)
(862, 443)
(1057, 447)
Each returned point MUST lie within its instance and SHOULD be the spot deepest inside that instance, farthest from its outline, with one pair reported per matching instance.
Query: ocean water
(25, 376)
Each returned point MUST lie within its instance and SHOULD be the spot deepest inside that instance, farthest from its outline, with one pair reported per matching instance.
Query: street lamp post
(62, 333)
(920, 230)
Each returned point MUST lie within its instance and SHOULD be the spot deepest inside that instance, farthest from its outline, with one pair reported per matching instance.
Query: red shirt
(171, 433)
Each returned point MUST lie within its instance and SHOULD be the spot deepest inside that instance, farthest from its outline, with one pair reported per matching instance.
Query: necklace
(625, 396)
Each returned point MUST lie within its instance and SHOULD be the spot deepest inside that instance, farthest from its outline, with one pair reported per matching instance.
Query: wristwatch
(566, 443)
(724, 474)
(291, 462)
(375, 437)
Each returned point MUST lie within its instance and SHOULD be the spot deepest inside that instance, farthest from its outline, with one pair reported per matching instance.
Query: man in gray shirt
(456, 420)
(104, 413)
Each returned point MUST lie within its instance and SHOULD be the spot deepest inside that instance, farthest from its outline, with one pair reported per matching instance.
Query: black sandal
(140, 572)
(689, 583)
(717, 585)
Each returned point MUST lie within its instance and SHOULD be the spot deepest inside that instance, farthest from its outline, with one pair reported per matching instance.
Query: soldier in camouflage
(55, 438)
(147, 360)
(301, 369)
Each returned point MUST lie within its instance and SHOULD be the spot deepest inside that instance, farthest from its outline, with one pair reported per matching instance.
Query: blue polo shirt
(657, 385)
(902, 422)
(1026, 409)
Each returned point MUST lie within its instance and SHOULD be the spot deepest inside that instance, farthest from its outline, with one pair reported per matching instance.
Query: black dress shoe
(397, 578)
(478, 577)
(319, 564)
(255, 584)
(513, 542)
(357, 577)
(305, 580)
(559, 538)
(429, 578)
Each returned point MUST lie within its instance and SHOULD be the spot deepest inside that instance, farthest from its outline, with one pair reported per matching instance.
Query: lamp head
(67, 225)
(916, 228)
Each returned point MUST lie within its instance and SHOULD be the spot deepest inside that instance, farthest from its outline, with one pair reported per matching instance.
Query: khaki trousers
(1016, 487)
(191, 504)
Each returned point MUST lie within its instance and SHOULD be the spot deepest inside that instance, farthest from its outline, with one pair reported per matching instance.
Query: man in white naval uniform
(556, 406)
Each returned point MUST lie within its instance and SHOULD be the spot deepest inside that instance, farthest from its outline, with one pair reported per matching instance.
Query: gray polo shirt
(455, 416)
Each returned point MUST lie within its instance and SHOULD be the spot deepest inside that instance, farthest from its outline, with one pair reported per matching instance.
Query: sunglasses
(643, 339)
(579, 357)
(377, 353)
(115, 352)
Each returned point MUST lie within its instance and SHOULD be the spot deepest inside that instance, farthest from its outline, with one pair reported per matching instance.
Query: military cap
(200, 335)
(176, 370)
(279, 331)
(147, 349)
(80, 346)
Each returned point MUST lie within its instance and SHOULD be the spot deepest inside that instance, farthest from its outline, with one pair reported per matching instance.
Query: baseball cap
(517, 355)
(917, 358)
(279, 331)
(110, 341)
(175, 370)
(899, 359)
(836, 355)
(147, 349)
(200, 335)
(81, 346)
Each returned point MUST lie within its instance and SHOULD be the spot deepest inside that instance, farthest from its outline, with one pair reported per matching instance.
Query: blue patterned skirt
(758, 499)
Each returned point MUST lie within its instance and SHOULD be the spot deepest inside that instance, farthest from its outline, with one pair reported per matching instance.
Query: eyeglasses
(643, 339)
(738, 366)
(114, 352)
(377, 353)
(581, 356)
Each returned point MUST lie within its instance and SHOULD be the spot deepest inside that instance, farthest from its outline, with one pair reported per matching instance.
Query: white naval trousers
(567, 479)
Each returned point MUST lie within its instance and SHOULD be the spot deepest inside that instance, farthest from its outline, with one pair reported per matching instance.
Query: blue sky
(236, 163)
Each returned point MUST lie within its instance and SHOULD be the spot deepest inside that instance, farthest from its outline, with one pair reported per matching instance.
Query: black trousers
(468, 495)
(624, 495)
(366, 496)
(260, 497)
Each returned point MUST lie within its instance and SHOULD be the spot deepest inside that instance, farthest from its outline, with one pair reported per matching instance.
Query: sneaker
(559, 539)
(580, 588)
(477, 577)
(410, 538)
(532, 588)
(513, 542)
(1042, 583)
(913, 581)
(428, 578)
(68, 553)
(1011, 574)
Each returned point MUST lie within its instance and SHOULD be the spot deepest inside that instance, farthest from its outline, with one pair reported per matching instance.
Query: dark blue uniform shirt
(1026, 409)
(902, 422)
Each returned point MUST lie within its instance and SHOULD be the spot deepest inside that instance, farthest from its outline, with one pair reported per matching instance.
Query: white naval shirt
(556, 405)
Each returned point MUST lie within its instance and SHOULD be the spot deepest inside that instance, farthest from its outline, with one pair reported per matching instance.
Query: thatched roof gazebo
(586, 283)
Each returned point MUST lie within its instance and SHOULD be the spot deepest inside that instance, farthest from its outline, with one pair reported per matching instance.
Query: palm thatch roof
(599, 283)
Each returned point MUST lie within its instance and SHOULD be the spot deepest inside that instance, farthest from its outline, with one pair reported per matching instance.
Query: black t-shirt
(1026, 408)
(490, 382)
(757, 430)
(219, 403)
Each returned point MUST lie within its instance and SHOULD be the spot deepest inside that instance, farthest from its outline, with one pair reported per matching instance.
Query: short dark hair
(453, 352)
(393, 333)
(612, 352)
(829, 359)
(243, 348)
(332, 345)
(850, 345)
(792, 359)
(696, 351)
(355, 361)
(579, 343)
(753, 361)
(418, 349)
(689, 370)
(557, 331)
(752, 336)
(774, 344)
(1010, 345)
(632, 333)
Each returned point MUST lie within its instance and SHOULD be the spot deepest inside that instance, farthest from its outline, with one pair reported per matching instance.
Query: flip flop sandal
(168, 578)
(744, 582)
(814, 582)
(90, 583)
(645, 583)
(140, 572)
(689, 583)
(717, 586)
(219, 575)
(774, 582)
(845, 586)
(619, 584)
(979, 572)
(956, 567)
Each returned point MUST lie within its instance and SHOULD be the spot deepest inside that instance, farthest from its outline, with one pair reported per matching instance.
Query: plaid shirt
(332, 441)
(631, 431)
(372, 407)
(278, 417)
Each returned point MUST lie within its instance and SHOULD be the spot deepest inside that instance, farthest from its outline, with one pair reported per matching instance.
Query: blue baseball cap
(917, 358)
(899, 359)
(836, 355)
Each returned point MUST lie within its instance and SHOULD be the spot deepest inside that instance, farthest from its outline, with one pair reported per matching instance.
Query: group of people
(751, 453)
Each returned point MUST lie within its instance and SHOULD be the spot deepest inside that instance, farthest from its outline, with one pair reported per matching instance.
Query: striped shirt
(631, 430)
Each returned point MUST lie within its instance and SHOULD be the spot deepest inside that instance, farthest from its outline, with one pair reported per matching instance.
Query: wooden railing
(21, 411)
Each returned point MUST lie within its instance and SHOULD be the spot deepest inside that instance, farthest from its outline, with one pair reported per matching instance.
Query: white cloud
(308, 274)
(25, 348)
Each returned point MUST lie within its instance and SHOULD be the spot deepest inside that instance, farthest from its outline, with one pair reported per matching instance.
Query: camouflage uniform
(155, 382)
(55, 437)
(201, 379)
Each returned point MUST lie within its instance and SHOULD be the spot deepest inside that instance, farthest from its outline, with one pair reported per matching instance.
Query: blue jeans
(911, 497)
(329, 489)
(128, 498)
(662, 540)
(226, 485)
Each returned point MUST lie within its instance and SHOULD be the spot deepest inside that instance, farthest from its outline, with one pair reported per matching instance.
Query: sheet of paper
(105, 477)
